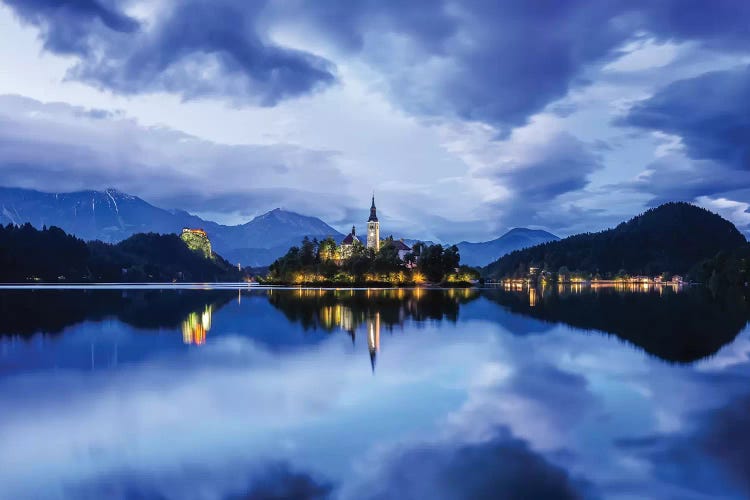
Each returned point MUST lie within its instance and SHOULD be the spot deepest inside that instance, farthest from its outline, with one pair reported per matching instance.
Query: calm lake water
(406, 394)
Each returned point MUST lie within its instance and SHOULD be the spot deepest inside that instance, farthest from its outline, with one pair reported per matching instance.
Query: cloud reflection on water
(458, 408)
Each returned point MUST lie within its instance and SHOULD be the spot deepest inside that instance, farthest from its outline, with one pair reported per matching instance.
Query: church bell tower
(373, 228)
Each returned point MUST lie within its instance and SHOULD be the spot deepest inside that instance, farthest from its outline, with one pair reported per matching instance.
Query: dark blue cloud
(562, 164)
(718, 24)
(677, 179)
(543, 168)
(500, 62)
(66, 24)
(709, 112)
(496, 62)
(194, 49)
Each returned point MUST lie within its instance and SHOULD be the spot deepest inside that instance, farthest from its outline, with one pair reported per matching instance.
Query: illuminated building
(402, 248)
(195, 327)
(373, 228)
(197, 240)
(347, 244)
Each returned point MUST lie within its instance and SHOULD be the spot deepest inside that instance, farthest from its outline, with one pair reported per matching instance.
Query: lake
(223, 393)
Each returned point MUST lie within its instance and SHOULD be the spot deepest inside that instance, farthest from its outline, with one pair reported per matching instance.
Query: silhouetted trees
(726, 269)
(670, 238)
(436, 262)
(28, 254)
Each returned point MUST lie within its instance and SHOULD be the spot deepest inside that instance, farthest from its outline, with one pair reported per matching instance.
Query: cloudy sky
(465, 117)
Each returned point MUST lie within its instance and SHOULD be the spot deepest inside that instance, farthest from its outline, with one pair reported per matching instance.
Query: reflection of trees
(680, 326)
(348, 309)
(26, 312)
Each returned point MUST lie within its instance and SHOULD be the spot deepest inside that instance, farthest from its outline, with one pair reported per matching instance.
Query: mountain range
(112, 216)
(480, 254)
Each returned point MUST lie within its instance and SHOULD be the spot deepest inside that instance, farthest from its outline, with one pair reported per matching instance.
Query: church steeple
(373, 211)
(373, 228)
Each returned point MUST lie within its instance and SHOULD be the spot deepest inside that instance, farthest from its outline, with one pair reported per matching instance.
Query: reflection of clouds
(463, 404)
(500, 466)
(571, 396)
(711, 457)
(736, 353)
(231, 399)
(270, 481)
(538, 401)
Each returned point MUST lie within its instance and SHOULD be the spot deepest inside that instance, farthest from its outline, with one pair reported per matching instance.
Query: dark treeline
(672, 238)
(681, 327)
(726, 269)
(324, 262)
(28, 254)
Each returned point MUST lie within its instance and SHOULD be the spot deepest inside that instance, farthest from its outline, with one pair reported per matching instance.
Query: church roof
(373, 211)
(349, 240)
(400, 245)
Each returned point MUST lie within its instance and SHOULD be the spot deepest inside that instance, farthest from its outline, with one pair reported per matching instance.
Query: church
(373, 237)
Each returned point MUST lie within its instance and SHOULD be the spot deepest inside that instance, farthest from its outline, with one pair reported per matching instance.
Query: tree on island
(325, 262)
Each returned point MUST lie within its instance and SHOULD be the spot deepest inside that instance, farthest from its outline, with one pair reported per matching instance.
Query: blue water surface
(222, 393)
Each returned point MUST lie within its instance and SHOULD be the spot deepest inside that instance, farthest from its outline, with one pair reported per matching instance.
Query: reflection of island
(373, 309)
(677, 324)
(195, 326)
(347, 309)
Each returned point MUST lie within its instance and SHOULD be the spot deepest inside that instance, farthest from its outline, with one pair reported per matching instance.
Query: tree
(308, 252)
(451, 259)
(327, 250)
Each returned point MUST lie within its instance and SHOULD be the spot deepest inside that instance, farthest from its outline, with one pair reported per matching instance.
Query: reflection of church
(373, 337)
(368, 313)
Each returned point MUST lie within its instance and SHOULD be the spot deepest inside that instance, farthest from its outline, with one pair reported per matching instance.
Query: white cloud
(737, 212)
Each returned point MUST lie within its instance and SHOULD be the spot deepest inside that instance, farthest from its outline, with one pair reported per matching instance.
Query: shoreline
(211, 285)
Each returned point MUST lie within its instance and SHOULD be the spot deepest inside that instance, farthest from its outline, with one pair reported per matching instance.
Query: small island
(377, 262)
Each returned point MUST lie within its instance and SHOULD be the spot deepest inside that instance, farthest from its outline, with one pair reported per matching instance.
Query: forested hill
(28, 254)
(671, 238)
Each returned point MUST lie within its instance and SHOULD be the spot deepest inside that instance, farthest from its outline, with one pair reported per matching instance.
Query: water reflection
(476, 392)
(675, 323)
(196, 325)
(680, 324)
(373, 337)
